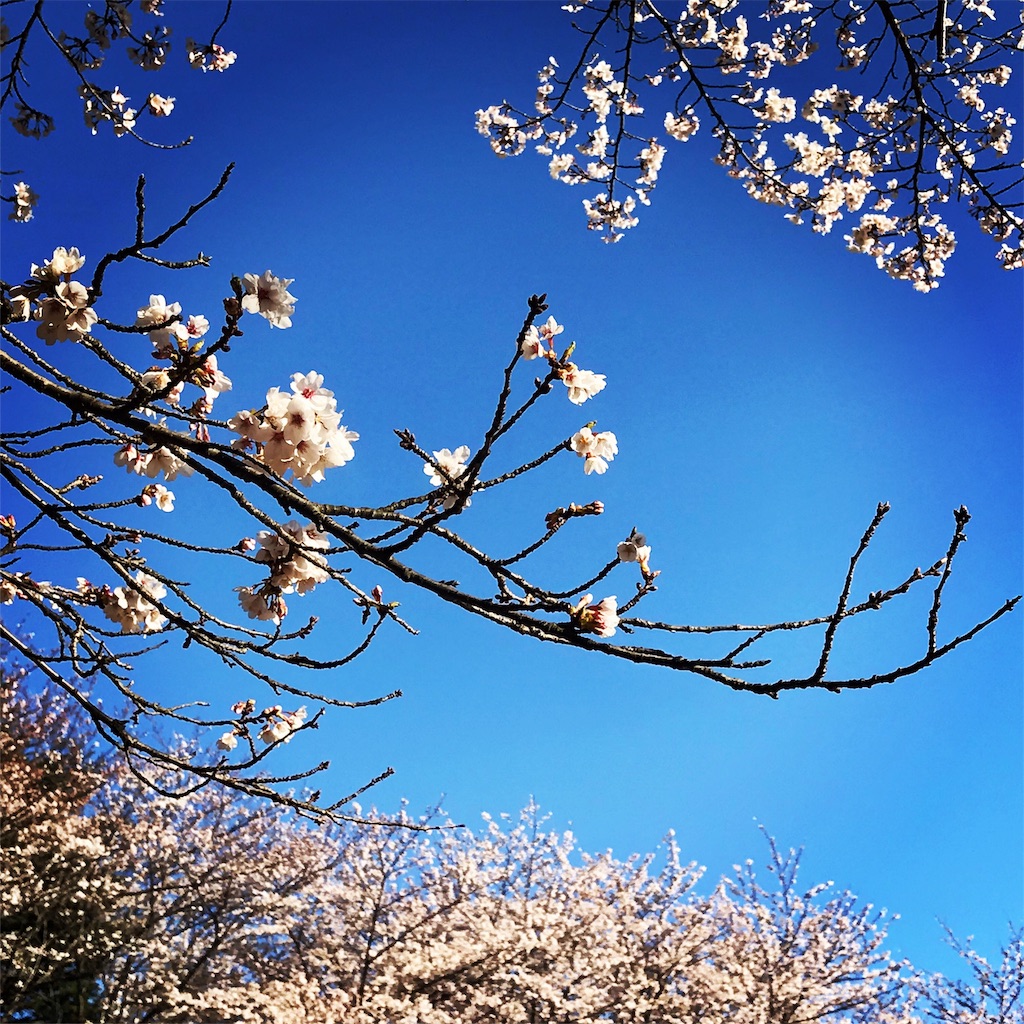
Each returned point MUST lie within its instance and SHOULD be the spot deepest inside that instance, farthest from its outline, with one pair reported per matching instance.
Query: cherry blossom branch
(262, 464)
(935, 141)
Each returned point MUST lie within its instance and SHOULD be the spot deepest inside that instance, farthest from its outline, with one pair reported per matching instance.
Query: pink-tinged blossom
(683, 126)
(197, 326)
(601, 618)
(540, 340)
(311, 386)
(299, 432)
(157, 493)
(157, 313)
(283, 723)
(256, 605)
(131, 459)
(269, 296)
(636, 549)
(132, 609)
(66, 316)
(296, 562)
(596, 449)
(163, 460)
(156, 379)
(211, 379)
(549, 330)
(582, 384)
(531, 347)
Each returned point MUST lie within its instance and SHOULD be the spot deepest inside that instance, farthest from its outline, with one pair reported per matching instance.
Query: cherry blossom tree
(121, 902)
(130, 391)
(210, 907)
(900, 107)
(56, 931)
(992, 994)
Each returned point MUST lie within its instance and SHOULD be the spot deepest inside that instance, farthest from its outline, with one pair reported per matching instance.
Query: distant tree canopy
(123, 904)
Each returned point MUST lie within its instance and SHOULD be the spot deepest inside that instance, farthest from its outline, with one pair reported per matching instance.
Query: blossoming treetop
(900, 103)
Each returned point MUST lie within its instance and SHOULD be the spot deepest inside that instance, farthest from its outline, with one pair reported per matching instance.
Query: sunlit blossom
(597, 450)
(582, 384)
(269, 296)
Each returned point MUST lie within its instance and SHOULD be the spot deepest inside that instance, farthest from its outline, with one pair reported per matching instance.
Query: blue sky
(767, 390)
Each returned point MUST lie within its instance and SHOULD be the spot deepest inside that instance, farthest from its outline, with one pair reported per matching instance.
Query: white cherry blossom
(269, 296)
(447, 467)
(597, 450)
(582, 384)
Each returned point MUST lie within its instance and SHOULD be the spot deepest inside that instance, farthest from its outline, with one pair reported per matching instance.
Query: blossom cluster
(132, 608)
(51, 297)
(291, 555)
(178, 340)
(15, 584)
(100, 105)
(158, 494)
(281, 724)
(24, 200)
(597, 450)
(538, 342)
(104, 25)
(955, 148)
(31, 123)
(299, 433)
(296, 565)
(276, 724)
(209, 57)
(152, 463)
(445, 469)
(184, 896)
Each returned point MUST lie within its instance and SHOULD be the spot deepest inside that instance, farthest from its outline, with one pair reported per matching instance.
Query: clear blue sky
(767, 389)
